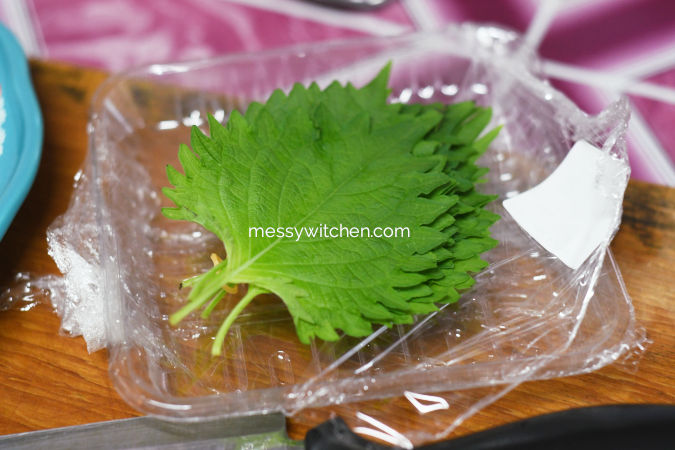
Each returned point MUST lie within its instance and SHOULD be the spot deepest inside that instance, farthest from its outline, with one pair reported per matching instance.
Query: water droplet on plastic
(426, 92)
(281, 368)
(405, 95)
(449, 89)
(479, 88)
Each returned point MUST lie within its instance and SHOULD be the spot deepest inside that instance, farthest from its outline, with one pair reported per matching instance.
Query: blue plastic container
(21, 129)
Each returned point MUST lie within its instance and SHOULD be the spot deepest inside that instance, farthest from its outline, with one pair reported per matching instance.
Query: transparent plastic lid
(528, 316)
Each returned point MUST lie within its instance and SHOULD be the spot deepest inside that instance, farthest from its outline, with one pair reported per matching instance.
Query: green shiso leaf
(338, 156)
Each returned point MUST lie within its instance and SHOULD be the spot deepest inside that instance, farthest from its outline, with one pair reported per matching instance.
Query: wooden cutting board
(48, 380)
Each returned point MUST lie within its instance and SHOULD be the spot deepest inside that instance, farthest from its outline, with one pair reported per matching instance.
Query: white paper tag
(575, 209)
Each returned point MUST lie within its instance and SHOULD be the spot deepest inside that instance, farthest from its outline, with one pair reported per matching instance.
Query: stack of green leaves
(341, 155)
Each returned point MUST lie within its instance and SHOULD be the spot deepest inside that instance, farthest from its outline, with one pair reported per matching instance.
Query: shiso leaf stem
(229, 320)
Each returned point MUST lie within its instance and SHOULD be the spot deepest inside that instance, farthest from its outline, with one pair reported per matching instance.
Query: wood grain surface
(49, 380)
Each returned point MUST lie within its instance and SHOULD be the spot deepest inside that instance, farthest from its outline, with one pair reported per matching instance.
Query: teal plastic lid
(21, 129)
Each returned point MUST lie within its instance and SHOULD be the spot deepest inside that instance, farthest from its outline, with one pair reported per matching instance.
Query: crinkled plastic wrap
(528, 317)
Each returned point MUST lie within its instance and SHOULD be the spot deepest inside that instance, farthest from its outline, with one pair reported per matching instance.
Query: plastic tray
(529, 316)
(20, 129)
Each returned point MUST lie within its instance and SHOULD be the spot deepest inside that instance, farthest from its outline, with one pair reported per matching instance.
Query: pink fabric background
(631, 38)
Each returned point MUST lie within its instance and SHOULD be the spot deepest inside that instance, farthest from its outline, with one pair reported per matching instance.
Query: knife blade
(266, 431)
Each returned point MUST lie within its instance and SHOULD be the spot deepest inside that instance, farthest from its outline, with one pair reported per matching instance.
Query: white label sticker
(576, 208)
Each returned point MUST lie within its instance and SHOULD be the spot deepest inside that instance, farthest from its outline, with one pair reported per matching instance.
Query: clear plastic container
(529, 316)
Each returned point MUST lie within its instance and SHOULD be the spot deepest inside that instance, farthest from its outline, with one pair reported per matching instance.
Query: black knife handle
(613, 427)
